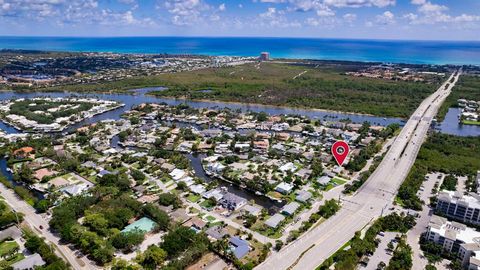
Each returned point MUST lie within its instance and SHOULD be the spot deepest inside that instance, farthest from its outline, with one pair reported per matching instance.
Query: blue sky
(369, 19)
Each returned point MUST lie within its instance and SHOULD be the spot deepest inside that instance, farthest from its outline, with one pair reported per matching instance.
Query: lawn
(469, 122)
(339, 181)
(16, 258)
(193, 198)
(210, 218)
(7, 248)
(328, 187)
(275, 195)
(213, 224)
(207, 204)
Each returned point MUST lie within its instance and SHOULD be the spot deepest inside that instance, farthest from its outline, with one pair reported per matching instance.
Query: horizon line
(256, 37)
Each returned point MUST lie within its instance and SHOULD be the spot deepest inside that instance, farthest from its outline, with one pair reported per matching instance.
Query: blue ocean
(417, 52)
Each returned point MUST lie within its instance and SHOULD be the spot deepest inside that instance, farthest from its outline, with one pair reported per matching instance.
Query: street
(34, 220)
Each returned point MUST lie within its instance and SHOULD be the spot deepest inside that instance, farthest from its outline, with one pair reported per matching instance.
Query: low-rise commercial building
(456, 238)
(464, 208)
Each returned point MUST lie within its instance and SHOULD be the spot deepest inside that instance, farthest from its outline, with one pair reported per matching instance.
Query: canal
(450, 125)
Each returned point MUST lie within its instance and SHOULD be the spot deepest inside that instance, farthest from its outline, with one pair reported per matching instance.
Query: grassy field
(467, 87)
(322, 87)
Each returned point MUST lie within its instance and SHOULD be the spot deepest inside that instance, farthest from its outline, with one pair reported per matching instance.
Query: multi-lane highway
(357, 211)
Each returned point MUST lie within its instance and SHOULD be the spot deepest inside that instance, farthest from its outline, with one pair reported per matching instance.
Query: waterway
(196, 163)
(450, 125)
(140, 96)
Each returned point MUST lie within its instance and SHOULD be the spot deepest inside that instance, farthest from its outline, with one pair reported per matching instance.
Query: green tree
(156, 214)
(153, 257)
(128, 240)
(138, 176)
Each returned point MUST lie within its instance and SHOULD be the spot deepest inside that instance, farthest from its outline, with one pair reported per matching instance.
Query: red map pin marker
(340, 151)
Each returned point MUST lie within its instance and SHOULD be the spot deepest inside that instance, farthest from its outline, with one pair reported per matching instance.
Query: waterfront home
(216, 167)
(284, 188)
(24, 152)
(216, 193)
(231, 201)
(251, 210)
(282, 136)
(280, 126)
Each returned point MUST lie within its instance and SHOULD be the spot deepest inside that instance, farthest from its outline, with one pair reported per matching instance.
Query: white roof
(455, 231)
(176, 174)
(284, 186)
(274, 220)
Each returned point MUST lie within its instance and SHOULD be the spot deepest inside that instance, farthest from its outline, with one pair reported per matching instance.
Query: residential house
(231, 201)
(252, 210)
(303, 196)
(274, 221)
(284, 188)
(29, 263)
(24, 152)
(239, 247)
(290, 208)
(196, 224)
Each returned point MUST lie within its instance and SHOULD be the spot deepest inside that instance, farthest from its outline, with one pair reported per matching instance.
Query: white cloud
(418, 2)
(128, 2)
(359, 3)
(222, 7)
(385, 18)
(186, 12)
(429, 8)
(350, 17)
(321, 22)
(32, 9)
(410, 16)
(431, 13)
(275, 18)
